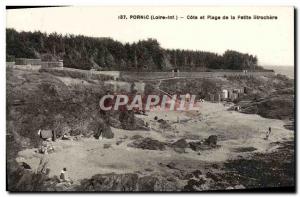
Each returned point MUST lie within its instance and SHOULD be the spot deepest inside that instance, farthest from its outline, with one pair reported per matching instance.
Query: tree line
(86, 53)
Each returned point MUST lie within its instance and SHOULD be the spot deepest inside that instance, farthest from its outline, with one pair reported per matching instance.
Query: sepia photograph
(150, 99)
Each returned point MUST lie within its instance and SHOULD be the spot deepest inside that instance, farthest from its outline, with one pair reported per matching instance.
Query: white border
(4, 3)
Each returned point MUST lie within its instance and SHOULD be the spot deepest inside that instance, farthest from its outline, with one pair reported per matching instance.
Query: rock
(194, 174)
(179, 150)
(164, 124)
(192, 137)
(278, 105)
(197, 173)
(289, 126)
(110, 182)
(211, 140)
(107, 132)
(119, 142)
(149, 169)
(180, 174)
(212, 176)
(99, 127)
(127, 182)
(171, 165)
(239, 187)
(180, 144)
(25, 165)
(148, 143)
(244, 149)
(188, 176)
(147, 183)
(193, 185)
(136, 137)
(129, 121)
(195, 146)
(229, 188)
(160, 120)
(43, 165)
(156, 183)
(105, 146)
(209, 143)
(62, 187)
(215, 166)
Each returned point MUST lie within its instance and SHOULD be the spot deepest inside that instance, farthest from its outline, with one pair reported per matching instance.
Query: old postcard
(150, 99)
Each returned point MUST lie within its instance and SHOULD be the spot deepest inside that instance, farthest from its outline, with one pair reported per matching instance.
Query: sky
(272, 41)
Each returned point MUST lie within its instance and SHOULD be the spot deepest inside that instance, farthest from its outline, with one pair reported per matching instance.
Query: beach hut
(187, 97)
(225, 94)
(47, 134)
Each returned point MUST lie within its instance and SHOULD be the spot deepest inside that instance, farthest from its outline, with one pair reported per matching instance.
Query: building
(225, 94)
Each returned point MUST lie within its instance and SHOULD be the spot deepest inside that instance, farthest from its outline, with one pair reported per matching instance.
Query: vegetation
(86, 53)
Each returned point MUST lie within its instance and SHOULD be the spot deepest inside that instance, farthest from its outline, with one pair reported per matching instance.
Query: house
(224, 94)
(47, 134)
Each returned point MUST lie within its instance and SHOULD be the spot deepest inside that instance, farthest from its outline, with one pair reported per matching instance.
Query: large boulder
(195, 146)
(99, 127)
(181, 143)
(209, 143)
(211, 140)
(148, 143)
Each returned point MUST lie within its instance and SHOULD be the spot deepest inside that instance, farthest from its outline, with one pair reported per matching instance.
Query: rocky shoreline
(270, 171)
(258, 172)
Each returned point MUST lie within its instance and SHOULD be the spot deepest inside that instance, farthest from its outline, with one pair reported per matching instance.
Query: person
(64, 175)
(65, 137)
(268, 133)
(43, 165)
(44, 147)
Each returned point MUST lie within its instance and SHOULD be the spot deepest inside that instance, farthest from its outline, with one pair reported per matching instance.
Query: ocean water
(284, 70)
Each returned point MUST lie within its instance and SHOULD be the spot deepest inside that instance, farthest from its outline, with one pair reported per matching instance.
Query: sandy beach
(235, 131)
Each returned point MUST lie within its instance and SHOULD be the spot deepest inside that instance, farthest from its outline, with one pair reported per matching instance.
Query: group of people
(47, 136)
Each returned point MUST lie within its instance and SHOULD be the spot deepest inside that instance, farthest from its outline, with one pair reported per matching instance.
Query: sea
(284, 70)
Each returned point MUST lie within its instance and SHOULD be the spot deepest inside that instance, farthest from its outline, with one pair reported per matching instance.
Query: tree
(84, 52)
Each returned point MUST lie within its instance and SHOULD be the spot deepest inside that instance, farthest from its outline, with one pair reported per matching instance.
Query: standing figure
(268, 133)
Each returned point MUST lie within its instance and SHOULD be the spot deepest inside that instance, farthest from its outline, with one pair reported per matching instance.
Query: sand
(87, 157)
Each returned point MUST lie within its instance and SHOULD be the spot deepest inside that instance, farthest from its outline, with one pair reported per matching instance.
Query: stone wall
(52, 64)
(26, 61)
(165, 75)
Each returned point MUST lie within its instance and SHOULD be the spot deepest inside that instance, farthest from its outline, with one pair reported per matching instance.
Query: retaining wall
(164, 75)
(26, 61)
